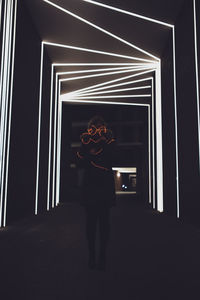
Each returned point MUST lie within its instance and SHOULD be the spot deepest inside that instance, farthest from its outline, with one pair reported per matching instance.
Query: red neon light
(97, 166)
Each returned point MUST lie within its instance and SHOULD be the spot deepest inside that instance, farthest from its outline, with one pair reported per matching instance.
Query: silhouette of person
(98, 188)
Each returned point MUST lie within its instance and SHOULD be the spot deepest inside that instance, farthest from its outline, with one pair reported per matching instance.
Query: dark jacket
(95, 158)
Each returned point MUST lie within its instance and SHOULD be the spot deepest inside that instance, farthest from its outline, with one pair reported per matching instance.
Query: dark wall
(118, 118)
(23, 148)
(169, 154)
(187, 115)
(187, 119)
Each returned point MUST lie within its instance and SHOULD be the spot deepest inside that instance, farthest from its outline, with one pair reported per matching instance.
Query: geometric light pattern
(8, 15)
(78, 95)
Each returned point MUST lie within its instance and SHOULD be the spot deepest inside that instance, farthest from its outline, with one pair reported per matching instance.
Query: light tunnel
(116, 78)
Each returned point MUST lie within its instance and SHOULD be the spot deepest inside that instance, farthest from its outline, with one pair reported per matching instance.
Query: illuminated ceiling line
(115, 85)
(104, 102)
(130, 13)
(97, 64)
(103, 74)
(114, 96)
(102, 30)
(112, 81)
(102, 69)
(118, 90)
(97, 51)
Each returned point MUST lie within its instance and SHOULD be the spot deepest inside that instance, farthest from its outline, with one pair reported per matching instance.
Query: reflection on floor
(151, 256)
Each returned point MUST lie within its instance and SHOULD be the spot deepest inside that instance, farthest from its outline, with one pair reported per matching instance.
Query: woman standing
(98, 191)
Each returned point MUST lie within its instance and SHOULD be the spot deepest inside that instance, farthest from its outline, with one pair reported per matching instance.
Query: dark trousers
(97, 216)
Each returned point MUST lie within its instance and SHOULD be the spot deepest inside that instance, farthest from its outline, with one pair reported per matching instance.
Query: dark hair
(96, 121)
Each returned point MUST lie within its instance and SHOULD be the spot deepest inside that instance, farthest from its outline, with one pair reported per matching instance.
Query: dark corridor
(150, 256)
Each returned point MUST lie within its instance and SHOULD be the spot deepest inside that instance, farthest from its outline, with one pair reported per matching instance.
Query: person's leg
(91, 225)
(104, 230)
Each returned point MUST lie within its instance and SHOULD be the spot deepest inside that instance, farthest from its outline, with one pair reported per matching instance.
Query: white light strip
(112, 81)
(39, 128)
(102, 74)
(10, 26)
(5, 94)
(117, 90)
(96, 64)
(113, 96)
(2, 87)
(96, 51)
(149, 150)
(0, 13)
(101, 29)
(58, 156)
(10, 110)
(125, 169)
(107, 69)
(102, 102)
(54, 149)
(129, 13)
(153, 144)
(50, 121)
(112, 86)
(197, 73)
(159, 158)
(176, 125)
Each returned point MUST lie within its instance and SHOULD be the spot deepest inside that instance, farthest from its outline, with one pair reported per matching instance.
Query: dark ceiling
(57, 26)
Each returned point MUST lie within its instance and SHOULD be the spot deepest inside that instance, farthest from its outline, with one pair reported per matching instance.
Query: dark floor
(151, 256)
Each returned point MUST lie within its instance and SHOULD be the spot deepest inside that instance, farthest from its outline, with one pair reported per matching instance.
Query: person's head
(96, 121)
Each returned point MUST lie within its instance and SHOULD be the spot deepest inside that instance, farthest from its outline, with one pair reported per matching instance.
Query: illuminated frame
(119, 79)
(174, 71)
(82, 101)
(158, 107)
(77, 99)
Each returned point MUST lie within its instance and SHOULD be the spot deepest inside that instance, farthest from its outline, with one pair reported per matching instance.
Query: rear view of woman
(98, 188)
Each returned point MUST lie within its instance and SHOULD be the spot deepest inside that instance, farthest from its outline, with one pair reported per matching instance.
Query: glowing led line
(0, 13)
(149, 152)
(101, 29)
(97, 51)
(102, 102)
(2, 87)
(4, 114)
(10, 25)
(101, 74)
(58, 148)
(96, 70)
(176, 125)
(153, 144)
(112, 86)
(114, 96)
(39, 128)
(197, 72)
(118, 90)
(97, 64)
(10, 111)
(112, 81)
(130, 13)
(50, 121)
(54, 151)
(159, 158)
